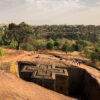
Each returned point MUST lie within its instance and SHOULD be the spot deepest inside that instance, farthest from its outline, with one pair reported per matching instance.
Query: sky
(39, 12)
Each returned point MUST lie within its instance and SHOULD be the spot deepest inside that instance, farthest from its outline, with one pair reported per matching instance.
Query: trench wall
(76, 77)
(90, 88)
(81, 82)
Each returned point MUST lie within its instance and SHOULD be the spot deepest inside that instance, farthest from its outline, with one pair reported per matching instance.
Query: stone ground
(12, 88)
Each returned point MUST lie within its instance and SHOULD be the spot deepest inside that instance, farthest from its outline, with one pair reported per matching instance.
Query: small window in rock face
(61, 89)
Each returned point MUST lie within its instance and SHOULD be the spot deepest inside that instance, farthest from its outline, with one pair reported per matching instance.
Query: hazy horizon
(42, 12)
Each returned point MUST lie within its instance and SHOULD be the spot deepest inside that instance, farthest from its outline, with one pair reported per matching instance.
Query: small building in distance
(46, 75)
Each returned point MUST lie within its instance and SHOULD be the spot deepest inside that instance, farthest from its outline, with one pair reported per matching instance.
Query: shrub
(50, 45)
(97, 49)
(80, 45)
(56, 44)
(12, 45)
(83, 43)
(61, 42)
(51, 41)
(1, 52)
(27, 47)
(39, 45)
(67, 48)
(88, 52)
(94, 56)
(55, 48)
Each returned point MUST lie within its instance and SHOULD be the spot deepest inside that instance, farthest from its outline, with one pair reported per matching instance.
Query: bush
(67, 48)
(12, 45)
(83, 43)
(27, 47)
(1, 52)
(39, 45)
(80, 45)
(88, 52)
(97, 49)
(94, 56)
(56, 44)
(50, 45)
(51, 41)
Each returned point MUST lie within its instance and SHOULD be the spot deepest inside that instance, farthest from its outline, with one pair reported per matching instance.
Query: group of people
(74, 61)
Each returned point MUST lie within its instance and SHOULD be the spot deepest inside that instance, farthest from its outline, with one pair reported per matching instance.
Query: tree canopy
(19, 33)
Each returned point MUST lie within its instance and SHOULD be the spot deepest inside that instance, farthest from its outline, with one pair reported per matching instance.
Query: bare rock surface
(13, 88)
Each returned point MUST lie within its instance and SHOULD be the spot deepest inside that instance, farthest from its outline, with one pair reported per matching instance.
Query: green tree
(19, 33)
(77, 47)
(12, 26)
(50, 45)
(80, 45)
(12, 45)
(56, 44)
(67, 48)
(88, 52)
(94, 56)
(39, 45)
(83, 43)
